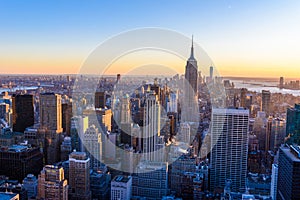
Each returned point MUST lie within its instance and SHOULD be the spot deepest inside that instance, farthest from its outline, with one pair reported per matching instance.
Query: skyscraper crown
(192, 50)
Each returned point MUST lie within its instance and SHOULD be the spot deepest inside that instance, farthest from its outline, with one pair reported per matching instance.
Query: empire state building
(191, 73)
(190, 89)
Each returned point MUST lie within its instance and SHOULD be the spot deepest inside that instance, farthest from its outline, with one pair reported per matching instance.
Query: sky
(242, 37)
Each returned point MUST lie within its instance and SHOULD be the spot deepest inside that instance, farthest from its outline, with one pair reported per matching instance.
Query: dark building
(118, 77)
(288, 186)
(181, 175)
(13, 187)
(100, 99)
(17, 161)
(51, 125)
(66, 117)
(100, 184)
(266, 102)
(211, 73)
(281, 82)
(243, 97)
(23, 112)
(293, 124)
(189, 109)
(191, 73)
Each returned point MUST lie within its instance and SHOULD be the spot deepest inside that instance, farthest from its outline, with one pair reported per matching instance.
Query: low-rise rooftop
(7, 196)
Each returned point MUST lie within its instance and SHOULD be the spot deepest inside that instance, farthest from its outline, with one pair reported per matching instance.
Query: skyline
(246, 39)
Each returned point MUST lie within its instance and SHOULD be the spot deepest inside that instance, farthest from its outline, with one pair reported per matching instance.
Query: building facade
(229, 140)
(79, 176)
(23, 112)
(52, 184)
(150, 180)
(288, 186)
(121, 187)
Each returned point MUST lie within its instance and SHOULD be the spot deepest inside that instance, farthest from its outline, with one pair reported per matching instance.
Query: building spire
(192, 49)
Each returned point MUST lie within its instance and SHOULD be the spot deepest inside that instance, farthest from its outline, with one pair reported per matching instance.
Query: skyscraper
(52, 184)
(243, 98)
(51, 112)
(126, 121)
(274, 180)
(66, 117)
(23, 112)
(125, 110)
(191, 75)
(51, 125)
(100, 99)
(266, 101)
(288, 186)
(93, 145)
(211, 73)
(118, 78)
(190, 89)
(151, 128)
(79, 176)
(281, 82)
(229, 129)
(78, 127)
(185, 133)
(293, 124)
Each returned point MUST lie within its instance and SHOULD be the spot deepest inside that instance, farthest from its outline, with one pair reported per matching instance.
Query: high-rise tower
(151, 128)
(51, 111)
(79, 176)
(191, 73)
(211, 73)
(190, 89)
(93, 145)
(288, 186)
(125, 124)
(266, 101)
(51, 125)
(23, 112)
(229, 129)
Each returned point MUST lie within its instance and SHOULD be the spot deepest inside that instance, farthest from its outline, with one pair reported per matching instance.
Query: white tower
(151, 128)
(229, 140)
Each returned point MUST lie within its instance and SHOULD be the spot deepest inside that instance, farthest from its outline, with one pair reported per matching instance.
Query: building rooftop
(123, 179)
(17, 148)
(7, 196)
(78, 155)
(291, 153)
(9, 135)
(295, 150)
(230, 110)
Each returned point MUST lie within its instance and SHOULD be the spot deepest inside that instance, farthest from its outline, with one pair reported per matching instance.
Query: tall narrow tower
(191, 73)
(189, 109)
(266, 101)
(79, 176)
(51, 125)
(23, 112)
(51, 112)
(151, 128)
